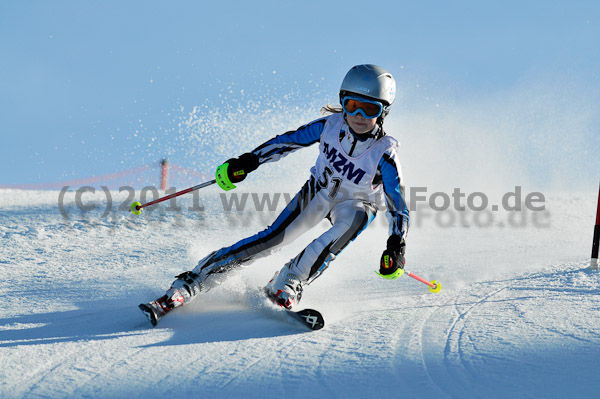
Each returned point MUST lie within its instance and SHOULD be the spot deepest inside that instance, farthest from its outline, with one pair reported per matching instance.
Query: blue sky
(79, 78)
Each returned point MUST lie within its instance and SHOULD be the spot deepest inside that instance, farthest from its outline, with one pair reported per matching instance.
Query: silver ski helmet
(372, 82)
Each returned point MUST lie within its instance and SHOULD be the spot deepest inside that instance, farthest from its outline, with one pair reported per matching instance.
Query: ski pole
(596, 243)
(136, 207)
(434, 286)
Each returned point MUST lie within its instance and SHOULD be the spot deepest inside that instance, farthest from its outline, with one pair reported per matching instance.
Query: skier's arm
(284, 144)
(392, 259)
(235, 170)
(393, 188)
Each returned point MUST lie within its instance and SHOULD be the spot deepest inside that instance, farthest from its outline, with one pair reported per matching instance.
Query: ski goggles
(367, 108)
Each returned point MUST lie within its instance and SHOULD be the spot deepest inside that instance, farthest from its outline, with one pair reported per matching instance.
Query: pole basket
(596, 243)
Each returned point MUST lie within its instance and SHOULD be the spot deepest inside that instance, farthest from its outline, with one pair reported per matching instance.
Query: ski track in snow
(71, 327)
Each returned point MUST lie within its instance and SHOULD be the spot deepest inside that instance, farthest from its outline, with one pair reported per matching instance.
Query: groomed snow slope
(518, 315)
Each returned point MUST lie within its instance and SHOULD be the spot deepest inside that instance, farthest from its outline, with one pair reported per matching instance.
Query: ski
(310, 318)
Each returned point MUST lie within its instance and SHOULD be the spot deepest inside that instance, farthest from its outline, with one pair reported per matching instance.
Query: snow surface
(517, 315)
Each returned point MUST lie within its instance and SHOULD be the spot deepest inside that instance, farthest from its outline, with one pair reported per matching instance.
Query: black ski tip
(149, 312)
(312, 318)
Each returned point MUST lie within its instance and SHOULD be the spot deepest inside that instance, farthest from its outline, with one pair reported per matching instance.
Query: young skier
(357, 172)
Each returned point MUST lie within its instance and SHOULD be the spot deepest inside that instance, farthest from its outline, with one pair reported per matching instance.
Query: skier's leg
(301, 214)
(348, 219)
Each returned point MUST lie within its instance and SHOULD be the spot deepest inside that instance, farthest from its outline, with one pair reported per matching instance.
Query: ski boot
(284, 289)
(182, 291)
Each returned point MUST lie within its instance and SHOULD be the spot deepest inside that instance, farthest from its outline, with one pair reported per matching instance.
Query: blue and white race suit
(351, 180)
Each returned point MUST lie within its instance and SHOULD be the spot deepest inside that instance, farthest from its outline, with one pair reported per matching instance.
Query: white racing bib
(344, 177)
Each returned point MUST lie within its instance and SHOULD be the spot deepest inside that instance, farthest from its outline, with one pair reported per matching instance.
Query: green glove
(392, 261)
(235, 170)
